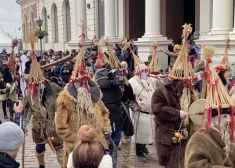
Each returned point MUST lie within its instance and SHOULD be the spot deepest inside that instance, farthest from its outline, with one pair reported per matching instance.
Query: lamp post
(39, 22)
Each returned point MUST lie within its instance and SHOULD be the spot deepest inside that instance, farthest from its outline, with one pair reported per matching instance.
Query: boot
(139, 152)
(144, 149)
(5, 114)
(40, 157)
(59, 155)
(11, 117)
(125, 151)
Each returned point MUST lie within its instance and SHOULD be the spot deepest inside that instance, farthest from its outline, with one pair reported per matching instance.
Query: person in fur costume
(80, 104)
(39, 103)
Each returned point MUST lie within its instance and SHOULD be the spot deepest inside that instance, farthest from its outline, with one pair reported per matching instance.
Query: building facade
(143, 20)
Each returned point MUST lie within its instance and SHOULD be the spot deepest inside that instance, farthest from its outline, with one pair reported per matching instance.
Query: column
(81, 15)
(121, 19)
(109, 19)
(74, 20)
(233, 32)
(222, 17)
(152, 19)
(205, 16)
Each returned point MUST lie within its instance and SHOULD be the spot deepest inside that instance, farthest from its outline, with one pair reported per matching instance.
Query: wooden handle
(51, 145)
(223, 161)
(62, 60)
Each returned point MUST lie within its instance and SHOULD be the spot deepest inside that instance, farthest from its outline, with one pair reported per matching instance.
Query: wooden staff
(224, 161)
(49, 140)
(62, 60)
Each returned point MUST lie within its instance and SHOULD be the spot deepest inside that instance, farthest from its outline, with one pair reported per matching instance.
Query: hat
(177, 47)
(217, 98)
(154, 62)
(196, 33)
(224, 64)
(11, 136)
(182, 63)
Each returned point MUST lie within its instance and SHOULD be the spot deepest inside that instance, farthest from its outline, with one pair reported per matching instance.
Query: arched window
(67, 20)
(44, 23)
(55, 24)
(32, 23)
(25, 28)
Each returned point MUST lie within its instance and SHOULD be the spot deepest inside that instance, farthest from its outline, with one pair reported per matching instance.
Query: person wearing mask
(11, 139)
(117, 50)
(89, 152)
(143, 87)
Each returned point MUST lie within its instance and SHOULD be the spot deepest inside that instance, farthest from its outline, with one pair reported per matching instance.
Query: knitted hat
(11, 136)
(177, 47)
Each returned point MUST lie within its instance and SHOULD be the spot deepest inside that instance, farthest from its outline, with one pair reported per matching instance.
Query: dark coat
(166, 108)
(7, 162)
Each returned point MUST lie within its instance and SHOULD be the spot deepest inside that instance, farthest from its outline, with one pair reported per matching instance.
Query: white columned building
(110, 19)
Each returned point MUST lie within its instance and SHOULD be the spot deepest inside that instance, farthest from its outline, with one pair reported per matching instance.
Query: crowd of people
(86, 112)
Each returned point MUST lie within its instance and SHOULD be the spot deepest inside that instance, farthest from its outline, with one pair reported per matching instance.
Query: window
(32, 23)
(55, 24)
(25, 28)
(45, 23)
(67, 20)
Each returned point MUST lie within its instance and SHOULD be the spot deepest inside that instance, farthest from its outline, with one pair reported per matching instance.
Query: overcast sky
(10, 17)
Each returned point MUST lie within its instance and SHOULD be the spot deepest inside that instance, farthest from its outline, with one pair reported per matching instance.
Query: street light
(39, 22)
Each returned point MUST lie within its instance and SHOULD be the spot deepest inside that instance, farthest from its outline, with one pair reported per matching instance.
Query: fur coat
(166, 108)
(67, 125)
(205, 149)
(143, 119)
(43, 115)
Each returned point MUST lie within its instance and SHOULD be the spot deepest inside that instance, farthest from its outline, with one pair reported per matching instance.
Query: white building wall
(91, 18)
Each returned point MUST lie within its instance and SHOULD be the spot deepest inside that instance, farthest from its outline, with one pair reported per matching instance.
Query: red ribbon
(83, 36)
(227, 47)
(155, 49)
(209, 116)
(93, 39)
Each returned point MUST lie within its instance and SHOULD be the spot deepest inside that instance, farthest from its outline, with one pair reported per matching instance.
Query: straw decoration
(32, 39)
(11, 61)
(217, 96)
(137, 61)
(113, 59)
(224, 64)
(154, 62)
(182, 69)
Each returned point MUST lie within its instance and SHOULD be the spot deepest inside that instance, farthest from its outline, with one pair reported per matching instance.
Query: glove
(183, 114)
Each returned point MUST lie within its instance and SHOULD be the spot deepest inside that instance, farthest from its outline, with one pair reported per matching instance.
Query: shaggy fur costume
(43, 115)
(67, 124)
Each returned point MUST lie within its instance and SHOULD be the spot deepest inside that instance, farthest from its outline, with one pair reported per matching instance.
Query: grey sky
(10, 17)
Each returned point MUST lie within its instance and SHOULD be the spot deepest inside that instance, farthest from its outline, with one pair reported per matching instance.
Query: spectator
(88, 153)
(117, 50)
(11, 139)
(195, 36)
(66, 71)
(170, 49)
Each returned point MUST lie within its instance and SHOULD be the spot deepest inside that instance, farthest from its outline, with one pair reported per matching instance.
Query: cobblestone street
(51, 161)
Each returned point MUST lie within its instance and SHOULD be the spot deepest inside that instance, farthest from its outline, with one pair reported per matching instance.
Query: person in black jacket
(112, 96)
(117, 50)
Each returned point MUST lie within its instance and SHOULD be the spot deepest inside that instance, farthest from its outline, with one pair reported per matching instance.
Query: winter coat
(106, 162)
(143, 119)
(6, 161)
(43, 113)
(67, 125)
(113, 104)
(166, 108)
(205, 149)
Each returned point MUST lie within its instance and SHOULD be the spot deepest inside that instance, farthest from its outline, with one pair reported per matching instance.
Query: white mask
(144, 76)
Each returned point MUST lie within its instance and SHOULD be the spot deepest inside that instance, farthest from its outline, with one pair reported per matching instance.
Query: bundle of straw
(182, 69)
(137, 61)
(11, 61)
(224, 64)
(216, 95)
(113, 59)
(154, 62)
(32, 39)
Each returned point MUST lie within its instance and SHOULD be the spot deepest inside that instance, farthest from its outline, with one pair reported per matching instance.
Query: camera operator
(110, 82)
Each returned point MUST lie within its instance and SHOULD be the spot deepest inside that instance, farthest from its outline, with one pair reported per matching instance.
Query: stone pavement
(51, 161)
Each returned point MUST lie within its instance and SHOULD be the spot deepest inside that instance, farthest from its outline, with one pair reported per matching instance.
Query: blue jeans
(116, 137)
